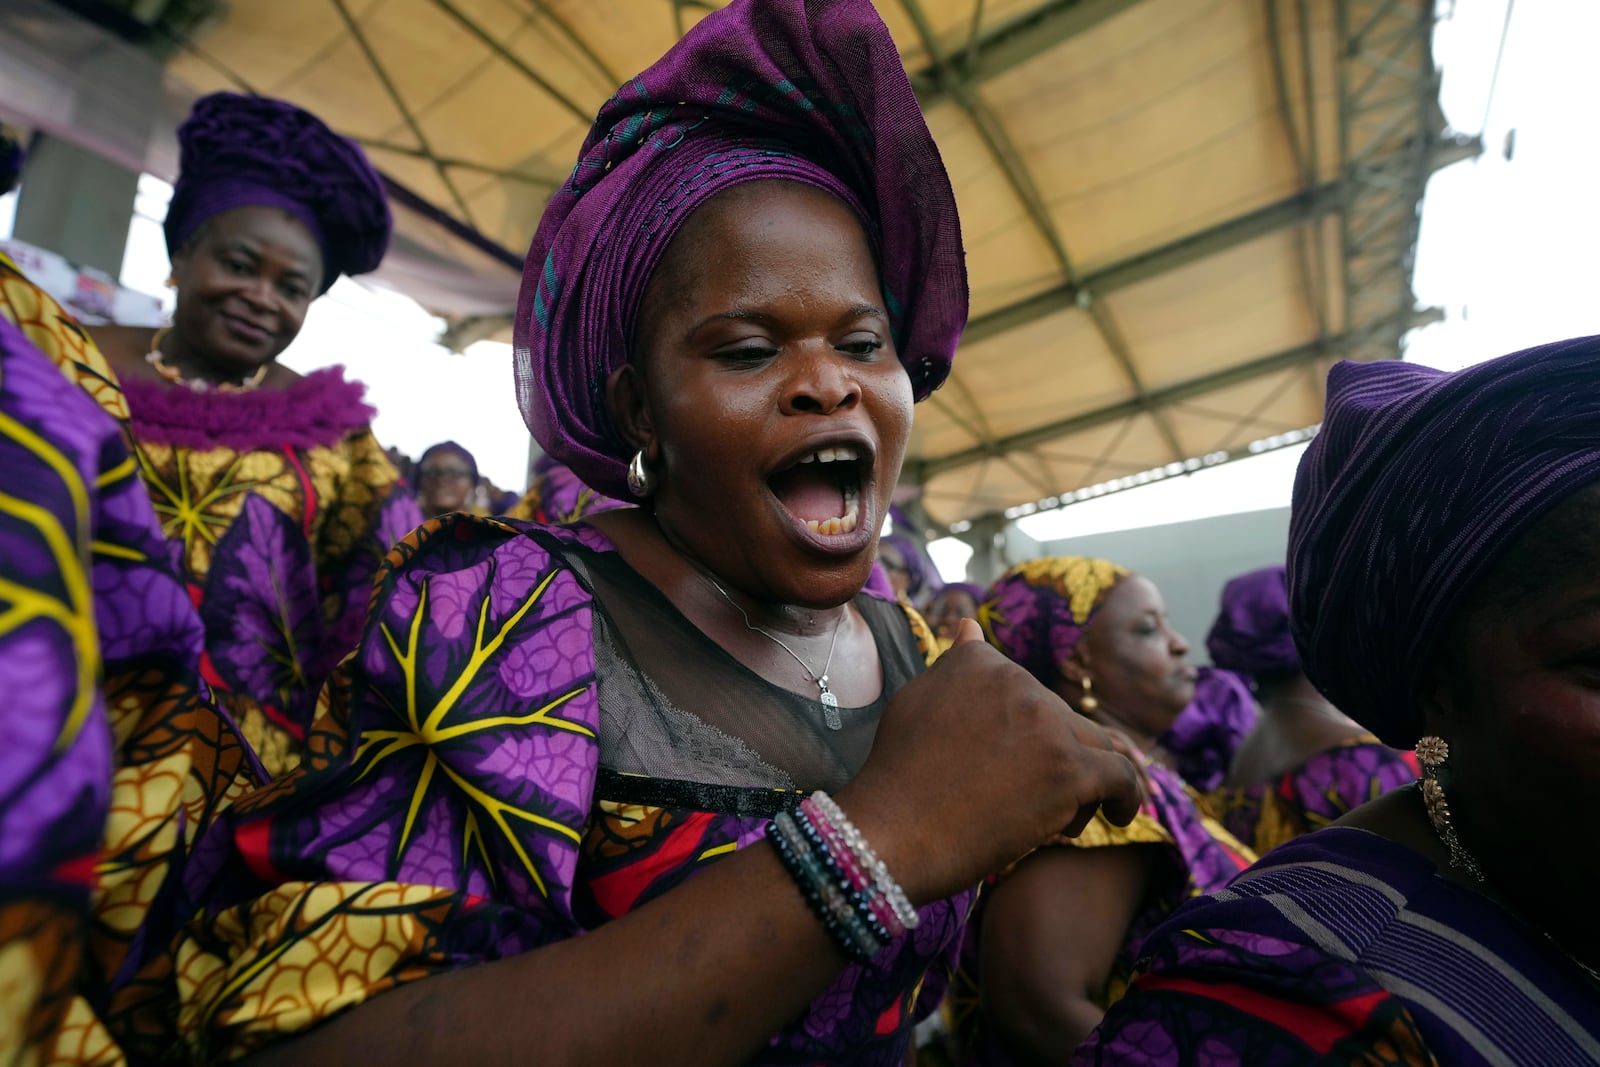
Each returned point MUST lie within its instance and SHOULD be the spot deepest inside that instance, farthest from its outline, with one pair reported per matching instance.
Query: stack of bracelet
(848, 887)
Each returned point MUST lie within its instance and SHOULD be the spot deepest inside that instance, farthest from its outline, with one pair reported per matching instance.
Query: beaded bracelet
(835, 845)
(860, 897)
(887, 886)
(822, 890)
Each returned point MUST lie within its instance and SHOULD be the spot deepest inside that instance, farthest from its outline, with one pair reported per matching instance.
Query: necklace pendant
(830, 705)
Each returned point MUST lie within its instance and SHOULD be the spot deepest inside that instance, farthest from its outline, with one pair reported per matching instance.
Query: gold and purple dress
(113, 756)
(278, 506)
(530, 742)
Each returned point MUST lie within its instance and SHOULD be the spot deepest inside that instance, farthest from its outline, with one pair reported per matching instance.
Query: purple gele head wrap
(1251, 633)
(912, 557)
(439, 449)
(811, 91)
(1418, 482)
(976, 592)
(252, 151)
(1037, 611)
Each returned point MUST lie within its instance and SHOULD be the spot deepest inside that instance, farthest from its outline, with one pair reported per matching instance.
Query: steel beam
(1291, 210)
(1388, 88)
(1021, 181)
(512, 60)
(1167, 396)
(399, 102)
(1015, 42)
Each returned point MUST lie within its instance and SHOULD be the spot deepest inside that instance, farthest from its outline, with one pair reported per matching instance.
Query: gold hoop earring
(640, 482)
(1434, 755)
(1089, 701)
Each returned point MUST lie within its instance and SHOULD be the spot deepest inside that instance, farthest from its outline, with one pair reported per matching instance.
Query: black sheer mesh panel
(675, 705)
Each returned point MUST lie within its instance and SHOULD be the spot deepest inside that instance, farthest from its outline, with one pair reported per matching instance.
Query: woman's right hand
(974, 764)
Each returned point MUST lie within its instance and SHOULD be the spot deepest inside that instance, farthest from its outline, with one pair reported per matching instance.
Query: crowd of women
(309, 762)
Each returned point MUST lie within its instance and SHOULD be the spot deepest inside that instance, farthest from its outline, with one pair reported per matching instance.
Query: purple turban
(977, 592)
(811, 91)
(921, 577)
(253, 151)
(1037, 611)
(1251, 634)
(1418, 482)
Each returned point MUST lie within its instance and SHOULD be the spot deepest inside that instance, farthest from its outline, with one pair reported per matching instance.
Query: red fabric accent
(79, 870)
(889, 1021)
(308, 489)
(617, 892)
(1320, 1026)
(276, 717)
(208, 671)
(253, 841)
(196, 594)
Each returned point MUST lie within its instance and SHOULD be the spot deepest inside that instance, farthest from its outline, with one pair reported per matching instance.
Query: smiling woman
(572, 760)
(275, 496)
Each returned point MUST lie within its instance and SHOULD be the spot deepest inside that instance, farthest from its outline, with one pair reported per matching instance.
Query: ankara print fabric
(557, 496)
(278, 506)
(1198, 856)
(448, 814)
(53, 330)
(1314, 795)
(1344, 948)
(112, 756)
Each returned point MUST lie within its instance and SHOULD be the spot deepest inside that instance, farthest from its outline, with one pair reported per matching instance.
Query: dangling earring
(1434, 755)
(640, 484)
(1089, 701)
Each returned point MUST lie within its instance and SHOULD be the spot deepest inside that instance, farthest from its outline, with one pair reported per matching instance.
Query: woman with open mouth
(276, 498)
(664, 785)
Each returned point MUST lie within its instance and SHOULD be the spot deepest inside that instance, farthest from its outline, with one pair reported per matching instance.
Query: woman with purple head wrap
(1305, 763)
(276, 500)
(572, 760)
(952, 603)
(445, 479)
(1054, 942)
(911, 572)
(1444, 590)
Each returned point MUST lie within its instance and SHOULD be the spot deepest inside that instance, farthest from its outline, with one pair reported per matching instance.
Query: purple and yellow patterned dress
(530, 741)
(1313, 795)
(279, 505)
(1200, 857)
(1344, 949)
(112, 757)
(557, 496)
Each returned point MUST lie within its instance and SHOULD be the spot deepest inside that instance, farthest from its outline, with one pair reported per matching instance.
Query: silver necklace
(830, 703)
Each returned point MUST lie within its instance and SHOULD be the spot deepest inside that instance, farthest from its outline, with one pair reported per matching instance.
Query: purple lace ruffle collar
(321, 409)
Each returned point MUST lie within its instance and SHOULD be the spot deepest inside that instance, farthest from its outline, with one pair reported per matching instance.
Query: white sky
(1505, 250)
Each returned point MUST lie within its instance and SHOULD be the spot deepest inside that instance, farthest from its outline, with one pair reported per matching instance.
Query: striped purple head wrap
(1251, 633)
(252, 151)
(811, 91)
(1037, 611)
(1418, 482)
